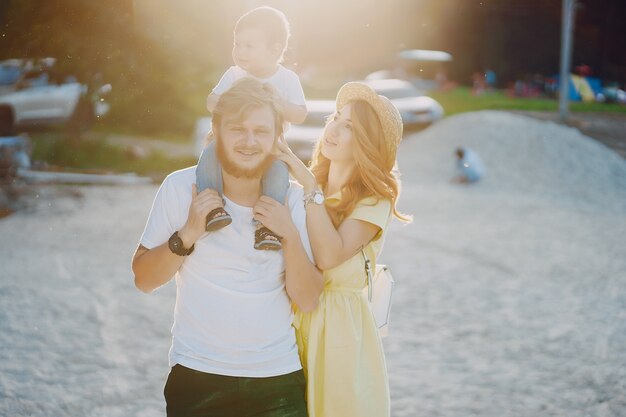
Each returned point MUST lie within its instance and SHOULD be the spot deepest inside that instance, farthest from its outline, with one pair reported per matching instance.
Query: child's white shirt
(286, 82)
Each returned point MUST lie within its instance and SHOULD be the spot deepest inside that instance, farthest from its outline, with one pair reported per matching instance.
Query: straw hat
(388, 114)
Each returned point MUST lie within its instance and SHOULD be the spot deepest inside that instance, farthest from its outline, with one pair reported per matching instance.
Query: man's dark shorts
(190, 393)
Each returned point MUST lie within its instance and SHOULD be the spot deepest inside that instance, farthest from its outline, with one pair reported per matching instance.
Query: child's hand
(298, 170)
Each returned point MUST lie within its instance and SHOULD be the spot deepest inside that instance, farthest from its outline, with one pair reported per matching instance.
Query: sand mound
(510, 295)
(522, 155)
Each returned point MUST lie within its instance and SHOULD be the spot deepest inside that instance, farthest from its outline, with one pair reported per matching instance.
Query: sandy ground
(510, 301)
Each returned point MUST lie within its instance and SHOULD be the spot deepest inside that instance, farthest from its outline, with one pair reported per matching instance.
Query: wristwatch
(175, 244)
(315, 196)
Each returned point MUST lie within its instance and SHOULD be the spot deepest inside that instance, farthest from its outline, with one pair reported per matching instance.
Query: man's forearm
(155, 267)
(303, 281)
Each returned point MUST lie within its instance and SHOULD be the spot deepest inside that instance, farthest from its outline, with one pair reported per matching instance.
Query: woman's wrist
(310, 186)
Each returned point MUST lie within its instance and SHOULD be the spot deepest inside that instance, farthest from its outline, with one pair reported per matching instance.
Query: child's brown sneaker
(265, 239)
(217, 219)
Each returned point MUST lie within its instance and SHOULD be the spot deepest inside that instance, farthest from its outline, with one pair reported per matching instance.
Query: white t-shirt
(232, 315)
(284, 80)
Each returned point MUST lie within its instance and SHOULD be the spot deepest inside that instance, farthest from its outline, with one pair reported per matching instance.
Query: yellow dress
(340, 349)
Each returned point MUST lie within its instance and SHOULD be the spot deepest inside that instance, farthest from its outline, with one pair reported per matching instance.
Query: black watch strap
(175, 244)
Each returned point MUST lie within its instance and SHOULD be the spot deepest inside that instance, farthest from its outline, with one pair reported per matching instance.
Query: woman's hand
(201, 205)
(298, 170)
(275, 216)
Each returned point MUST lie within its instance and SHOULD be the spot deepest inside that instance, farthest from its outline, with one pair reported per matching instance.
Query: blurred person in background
(469, 166)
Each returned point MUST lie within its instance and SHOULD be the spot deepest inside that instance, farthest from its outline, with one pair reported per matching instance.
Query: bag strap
(368, 273)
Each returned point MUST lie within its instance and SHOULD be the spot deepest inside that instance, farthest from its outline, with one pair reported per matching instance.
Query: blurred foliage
(94, 155)
(162, 57)
(99, 39)
(462, 100)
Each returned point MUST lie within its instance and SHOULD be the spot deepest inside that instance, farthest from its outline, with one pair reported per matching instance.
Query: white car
(416, 109)
(39, 100)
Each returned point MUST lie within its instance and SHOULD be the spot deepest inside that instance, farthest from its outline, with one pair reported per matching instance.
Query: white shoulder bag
(379, 290)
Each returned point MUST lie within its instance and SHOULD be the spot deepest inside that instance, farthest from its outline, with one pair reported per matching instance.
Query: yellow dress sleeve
(373, 211)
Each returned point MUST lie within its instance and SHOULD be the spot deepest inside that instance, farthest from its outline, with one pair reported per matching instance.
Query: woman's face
(338, 137)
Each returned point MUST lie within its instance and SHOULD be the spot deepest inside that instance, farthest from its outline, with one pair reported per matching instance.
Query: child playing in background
(261, 37)
(469, 166)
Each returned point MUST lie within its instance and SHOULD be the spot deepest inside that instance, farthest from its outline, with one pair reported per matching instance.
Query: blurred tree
(89, 38)
(127, 41)
(518, 39)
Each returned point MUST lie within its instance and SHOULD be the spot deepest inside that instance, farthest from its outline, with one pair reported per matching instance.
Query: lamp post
(567, 32)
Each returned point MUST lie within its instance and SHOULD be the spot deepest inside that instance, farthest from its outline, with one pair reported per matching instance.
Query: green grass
(462, 100)
(95, 156)
(92, 154)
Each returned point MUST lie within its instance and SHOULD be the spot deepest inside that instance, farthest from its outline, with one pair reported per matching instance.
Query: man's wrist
(292, 235)
(177, 246)
(187, 237)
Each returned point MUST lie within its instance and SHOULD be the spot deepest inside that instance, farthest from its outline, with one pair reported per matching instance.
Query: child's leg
(209, 170)
(275, 185)
(276, 181)
(209, 175)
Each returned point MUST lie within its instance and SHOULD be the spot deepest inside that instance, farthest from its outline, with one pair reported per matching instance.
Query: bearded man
(233, 346)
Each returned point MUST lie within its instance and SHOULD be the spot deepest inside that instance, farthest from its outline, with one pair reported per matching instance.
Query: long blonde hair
(375, 174)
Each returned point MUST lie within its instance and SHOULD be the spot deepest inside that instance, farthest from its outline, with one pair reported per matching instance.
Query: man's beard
(237, 171)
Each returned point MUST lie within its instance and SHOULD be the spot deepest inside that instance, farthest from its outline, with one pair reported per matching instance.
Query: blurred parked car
(40, 97)
(10, 72)
(203, 127)
(15, 153)
(425, 69)
(301, 138)
(416, 110)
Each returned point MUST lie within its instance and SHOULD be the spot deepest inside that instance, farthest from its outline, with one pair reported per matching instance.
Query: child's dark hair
(270, 21)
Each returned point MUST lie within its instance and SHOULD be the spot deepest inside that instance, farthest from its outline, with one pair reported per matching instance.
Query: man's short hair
(244, 96)
(270, 21)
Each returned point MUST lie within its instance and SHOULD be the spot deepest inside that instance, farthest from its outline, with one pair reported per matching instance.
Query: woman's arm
(331, 246)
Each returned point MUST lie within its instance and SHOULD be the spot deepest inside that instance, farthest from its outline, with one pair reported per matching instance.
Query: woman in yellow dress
(353, 166)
